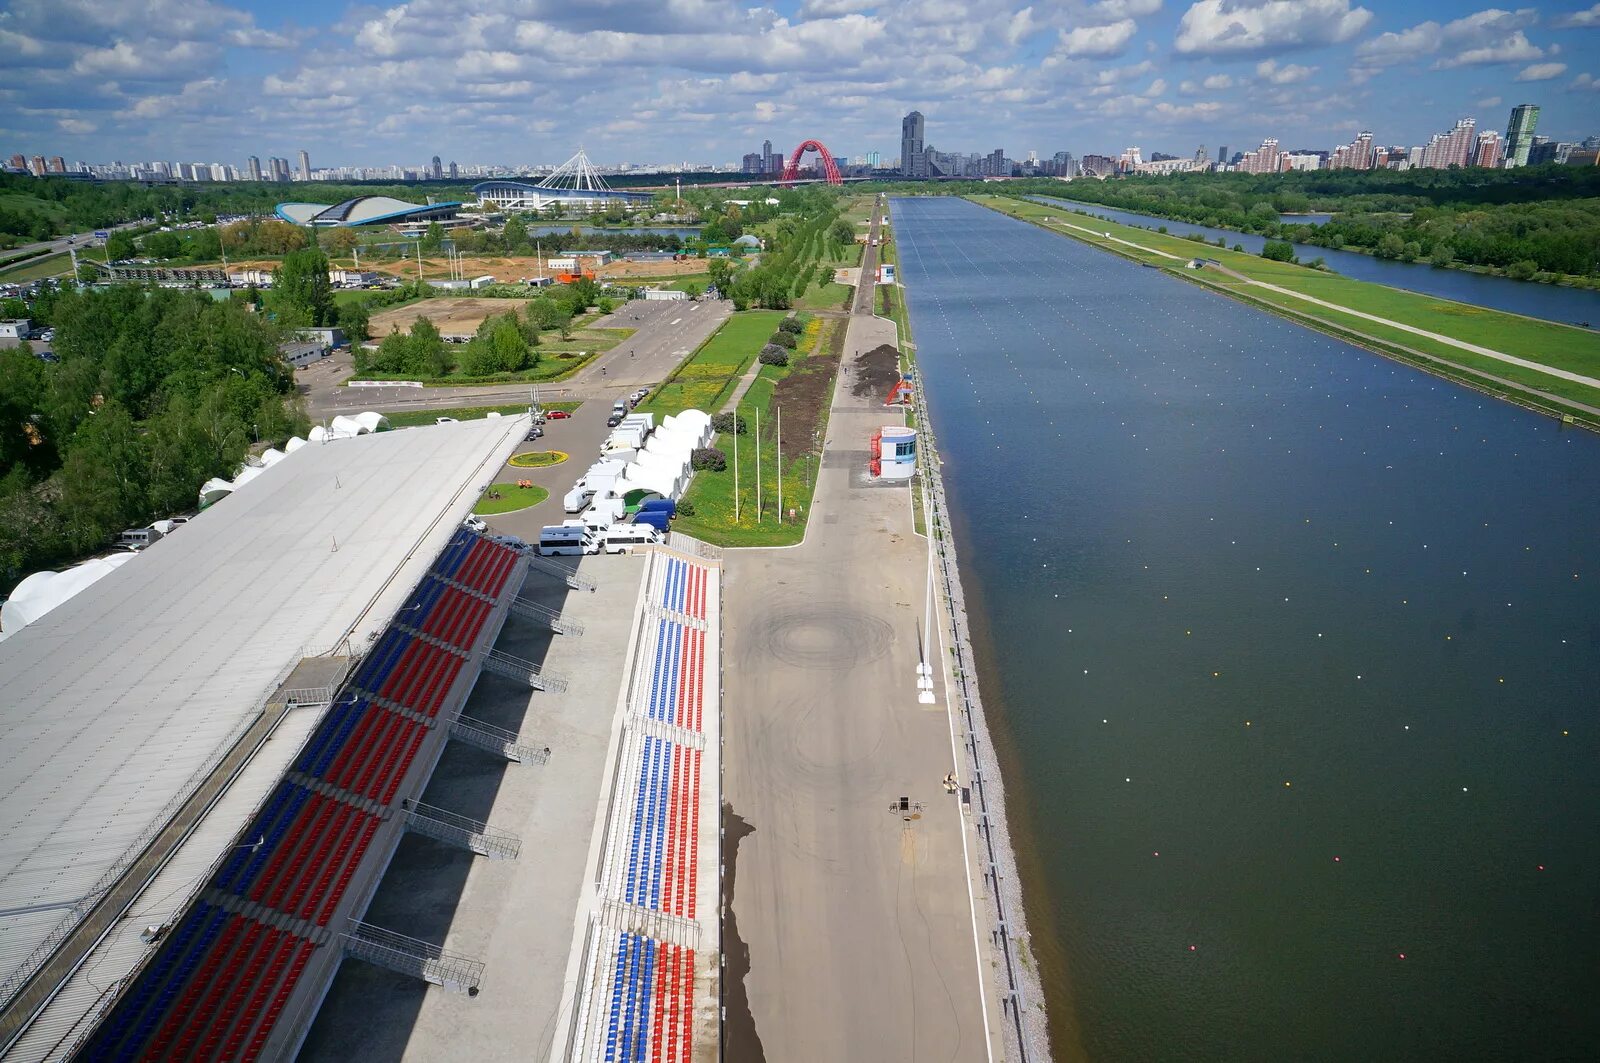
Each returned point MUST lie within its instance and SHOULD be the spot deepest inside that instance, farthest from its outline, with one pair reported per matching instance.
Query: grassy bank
(706, 379)
(803, 389)
(34, 268)
(412, 418)
(1546, 343)
(512, 498)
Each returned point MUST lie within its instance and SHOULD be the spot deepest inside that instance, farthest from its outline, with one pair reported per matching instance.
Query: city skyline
(636, 81)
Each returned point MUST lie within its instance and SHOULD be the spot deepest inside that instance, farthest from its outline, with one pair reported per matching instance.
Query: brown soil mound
(877, 371)
(805, 393)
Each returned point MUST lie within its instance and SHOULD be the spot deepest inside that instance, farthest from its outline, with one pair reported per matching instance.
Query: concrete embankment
(1026, 1028)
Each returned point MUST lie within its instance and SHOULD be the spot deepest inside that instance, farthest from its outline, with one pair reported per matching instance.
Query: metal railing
(503, 664)
(469, 834)
(411, 956)
(544, 564)
(543, 614)
(497, 740)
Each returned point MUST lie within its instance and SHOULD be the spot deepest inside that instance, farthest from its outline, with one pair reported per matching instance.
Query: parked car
(444, 420)
(475, 523)
(614, 420)
(534, 433)
(558, 415)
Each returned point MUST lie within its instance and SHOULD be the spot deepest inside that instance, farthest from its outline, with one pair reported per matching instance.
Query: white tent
(43, 591)
(214, 490)
(294, 444)
(270, 457)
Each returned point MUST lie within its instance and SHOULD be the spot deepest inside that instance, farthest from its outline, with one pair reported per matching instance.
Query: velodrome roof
(119, 703)
(364, 210)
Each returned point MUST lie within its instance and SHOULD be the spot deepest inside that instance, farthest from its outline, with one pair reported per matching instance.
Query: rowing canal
(1548, 301)
(1292, 654)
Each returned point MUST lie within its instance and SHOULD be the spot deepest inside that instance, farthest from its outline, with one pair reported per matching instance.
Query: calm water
(1570, 305)
(1294, 656)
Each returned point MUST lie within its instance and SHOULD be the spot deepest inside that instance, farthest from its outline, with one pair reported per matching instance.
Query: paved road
(856, 917)
(667, 333)
(81, 241)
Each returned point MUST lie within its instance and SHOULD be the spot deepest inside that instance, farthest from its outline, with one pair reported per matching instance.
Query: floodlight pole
(736, 464)
(758, 464)
(780, 464)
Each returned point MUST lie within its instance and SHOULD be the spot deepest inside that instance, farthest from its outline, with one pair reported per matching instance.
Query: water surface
(1292, 652)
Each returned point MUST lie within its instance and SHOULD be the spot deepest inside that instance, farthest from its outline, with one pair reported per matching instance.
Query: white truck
(600, 478)
(557, 540)
(624, 538)
(623, 437)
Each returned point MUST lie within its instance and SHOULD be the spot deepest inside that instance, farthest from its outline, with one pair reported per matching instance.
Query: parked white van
(623, 538)
(557, 540)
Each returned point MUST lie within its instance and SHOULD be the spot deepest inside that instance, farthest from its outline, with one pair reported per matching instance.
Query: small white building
(664, 295)
(352, 278)
(17, 329)
(247, 278)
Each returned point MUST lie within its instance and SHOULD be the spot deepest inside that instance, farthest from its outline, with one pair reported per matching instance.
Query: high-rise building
(912, 163)
(753, 163)
(36, 165)
(305, 166)
(1489, 151)
(1519, 133)
(1222, 155)
(17, 162)
(454, 172)
(438, 169)
(874, 159)
(254, 165)
(219, 172)
(1265, 159)
(770, 163)
(57, 164)
(1356, 155)
(1451, 148)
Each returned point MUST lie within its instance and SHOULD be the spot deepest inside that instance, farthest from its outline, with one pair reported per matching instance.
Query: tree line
(1535, 223)
(150, 393)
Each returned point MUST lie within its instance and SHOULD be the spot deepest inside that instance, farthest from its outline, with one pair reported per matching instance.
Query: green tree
(1278, 251)
(433, 238)
(340, 242)
(516, 234)
(103, 478)
(163, 245)
(721, 272)
(301, 290)
(353, 318)
(119, 245)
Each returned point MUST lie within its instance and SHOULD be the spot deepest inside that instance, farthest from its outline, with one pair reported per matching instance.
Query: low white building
(668, 295)
(17, 329)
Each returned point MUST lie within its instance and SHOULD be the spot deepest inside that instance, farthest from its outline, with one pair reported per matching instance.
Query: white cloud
(1589, 19)
(1158, 87)
(1100, 41)
(1484, 37)
(1542, 72)
(1490, 101)
(1585, 83)
(1288, 74)
(1116, 10)
(76, 126)
(1234, 27)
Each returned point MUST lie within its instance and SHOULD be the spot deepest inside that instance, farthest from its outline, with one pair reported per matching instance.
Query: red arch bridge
(830, 169)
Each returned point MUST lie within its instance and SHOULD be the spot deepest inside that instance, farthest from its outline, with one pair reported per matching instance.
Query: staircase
(463, 833)
(542, 614)
(497, 740)
(522, 671)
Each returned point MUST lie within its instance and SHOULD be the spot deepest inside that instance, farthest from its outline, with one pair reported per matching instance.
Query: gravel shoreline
(1015, 982)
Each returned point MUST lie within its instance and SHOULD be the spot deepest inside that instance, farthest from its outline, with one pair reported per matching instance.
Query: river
(1291, 654)
(1547, 301)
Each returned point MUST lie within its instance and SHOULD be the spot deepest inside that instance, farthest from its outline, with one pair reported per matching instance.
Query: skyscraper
(254, 164)
(454, 171)
(912, 164)
(1487, 152)
(1356, 155)
(438, 169)
(1519, 133)
(1452, 148)
(305, 166)
(1222, 155)
(768, 163)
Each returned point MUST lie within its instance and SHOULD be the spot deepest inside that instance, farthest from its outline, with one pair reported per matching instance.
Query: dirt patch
(877, 371)
(805, 393)
(741, 1040)
(452, 317)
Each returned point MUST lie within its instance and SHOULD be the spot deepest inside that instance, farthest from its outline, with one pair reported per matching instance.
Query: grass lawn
(712, 493)
(1548, 343)
(706, 379)
(34, 268)
(538, 459)
(412, 418)
(558, 359)
(512, 498)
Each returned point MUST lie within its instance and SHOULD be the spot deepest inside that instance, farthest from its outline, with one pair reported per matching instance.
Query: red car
(558, 415)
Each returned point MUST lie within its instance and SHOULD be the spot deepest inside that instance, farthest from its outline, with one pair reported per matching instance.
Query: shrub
(784, 340)
(728, 422)
(707, 458)
(791, 324)
(685, 508)
(1278, 250)
(1522, 270)
(772, 354)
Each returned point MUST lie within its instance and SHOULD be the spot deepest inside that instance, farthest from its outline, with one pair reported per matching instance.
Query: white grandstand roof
(120, 702)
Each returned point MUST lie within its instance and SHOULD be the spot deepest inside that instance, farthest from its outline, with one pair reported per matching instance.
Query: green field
(35, 268)
(1548, 343)
(706, 379)
(711, 494)
(413, 418)
(512, 498)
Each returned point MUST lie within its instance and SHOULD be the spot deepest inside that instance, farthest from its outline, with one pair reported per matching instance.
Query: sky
(529, 81)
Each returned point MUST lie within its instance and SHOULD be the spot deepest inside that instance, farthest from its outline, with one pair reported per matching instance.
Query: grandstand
(643, 977)
(207, 758)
